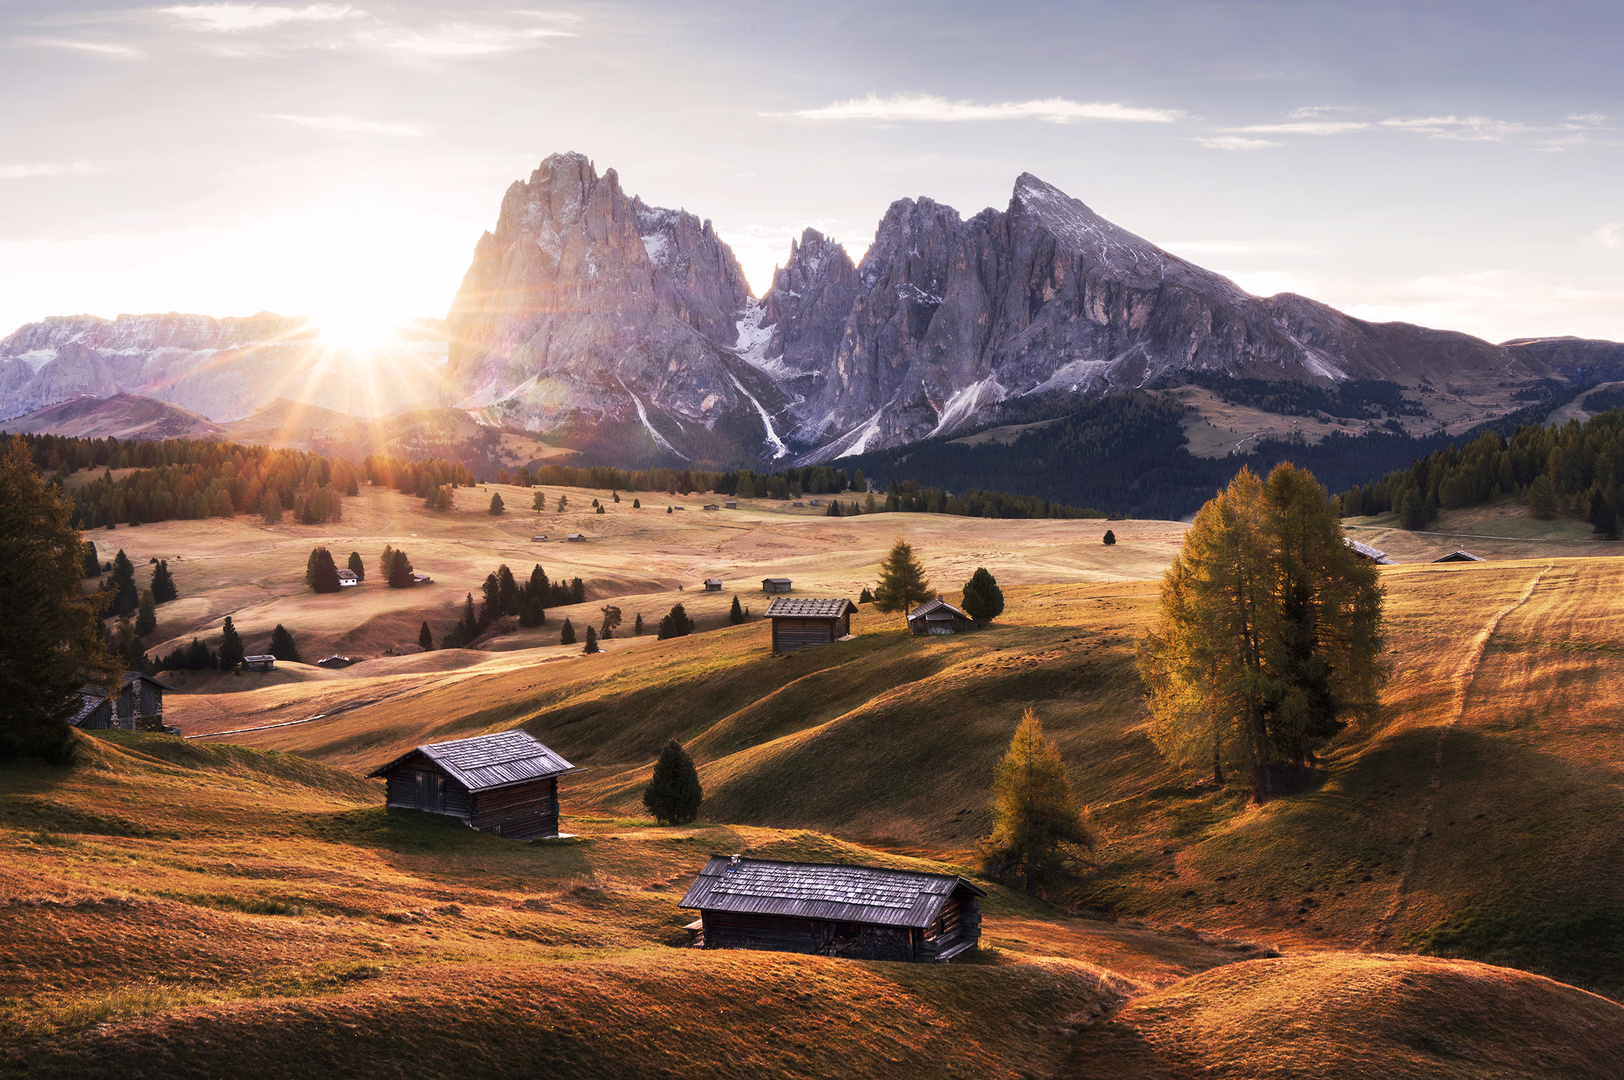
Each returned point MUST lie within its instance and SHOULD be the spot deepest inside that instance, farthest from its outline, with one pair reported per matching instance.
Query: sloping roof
(489, 761)
(1378, 557)
(259, 658)
(713, 581)
(346, 575)
(1460, 556)
(805, 607)
(936, 609)
(867, 894)
(775, 580)
(91, 698)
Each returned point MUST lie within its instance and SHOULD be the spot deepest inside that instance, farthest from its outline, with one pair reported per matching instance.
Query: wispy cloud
(23, 172)
(1233, 142)
(1610, 235)
(1303, 127)
(237, 18)
(350, 125)
(1469, 128)
(928, 108)
(95, 48)
(461, 39)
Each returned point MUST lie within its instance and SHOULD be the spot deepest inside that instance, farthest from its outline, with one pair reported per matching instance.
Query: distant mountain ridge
(223, 369)
(627, 331)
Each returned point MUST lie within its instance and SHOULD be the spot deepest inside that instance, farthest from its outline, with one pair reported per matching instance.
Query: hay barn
(505, 784)
(860, 912)
(801, 623)
(938, 617)
(137, 705)
(775, 584)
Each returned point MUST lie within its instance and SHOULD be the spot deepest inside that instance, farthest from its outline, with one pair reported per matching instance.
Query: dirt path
(1464, 677)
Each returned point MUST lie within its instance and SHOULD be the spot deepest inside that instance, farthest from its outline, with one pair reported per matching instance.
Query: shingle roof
(490, 761)
(868, 894)
(1378, 557)
(805, 607)
(936, 608)
(1460, 556)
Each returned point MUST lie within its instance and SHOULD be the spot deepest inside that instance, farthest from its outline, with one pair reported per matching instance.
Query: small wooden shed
(938, 617)
(1460, 556)
(732, 504)
(137, 705)
(259, 662)
(1365, 551)
(861, 912)
(713, 584)
(347, 579)
(775, 584)
(800, 623)
(505, 784)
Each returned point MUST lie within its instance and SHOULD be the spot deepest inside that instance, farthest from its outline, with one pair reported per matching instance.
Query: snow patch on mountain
(779, 449)
(642, 415)
(964, 404)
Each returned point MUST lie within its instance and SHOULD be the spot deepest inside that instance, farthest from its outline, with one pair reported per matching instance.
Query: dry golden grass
(636, 559)
(1357, 1015)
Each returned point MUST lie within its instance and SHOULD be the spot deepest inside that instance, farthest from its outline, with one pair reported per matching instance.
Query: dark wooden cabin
(713, 584)
(137, 705)
(505, 784)
(259, 662)
(1368, 553)
(801, 623)
(861, 912)
(775, 584)
(939, 617)
(1460, 556)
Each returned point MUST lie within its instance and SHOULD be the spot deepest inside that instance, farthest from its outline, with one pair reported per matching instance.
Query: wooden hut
(800, 623)
(732, 504)
(1460, 556)
(938, 617)
(505, 784)
(136, 705)
(259, 662)
(775, 584)
(712, 506)
(347, 579)
(1365, 551)
(861, 912)
(713, 584)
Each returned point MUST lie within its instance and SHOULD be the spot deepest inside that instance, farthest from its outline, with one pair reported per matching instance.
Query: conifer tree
(637, 504)
(468, 625)
(902, 580)
(1110, 538)
(637, 627)
(231, 650)
(146, 614)
(577, 591)
(496, 504)
(611, 620)
(676, 623)
(282, 646)
(270, 507)
(51, 636)
(358, 566)
(400, 572)
(591, 642)
(1038, 827)
(121, 585)
(163, 584)
(539, 500)
(425, 640)
(735, 614)
(983, 599)
(867, 597)
(1270, 633)
(323, 572)
(673, 793)
(386, 562)
(92, 566)
(563, 502)
(199, 658)
(566, 636)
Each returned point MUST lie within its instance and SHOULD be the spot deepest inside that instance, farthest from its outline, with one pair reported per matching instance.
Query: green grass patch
(1584, 946)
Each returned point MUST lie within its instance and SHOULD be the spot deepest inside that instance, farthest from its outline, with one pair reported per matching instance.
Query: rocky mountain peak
(805, 309)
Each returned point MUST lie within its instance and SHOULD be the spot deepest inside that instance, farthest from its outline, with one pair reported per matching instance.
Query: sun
(357, 331)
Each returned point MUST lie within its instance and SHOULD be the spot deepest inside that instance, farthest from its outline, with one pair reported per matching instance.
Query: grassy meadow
(237, 902)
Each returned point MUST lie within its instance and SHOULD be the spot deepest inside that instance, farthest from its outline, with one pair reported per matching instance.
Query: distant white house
(347, 579)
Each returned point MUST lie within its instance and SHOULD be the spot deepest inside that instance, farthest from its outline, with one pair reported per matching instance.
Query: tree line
(1576, 470)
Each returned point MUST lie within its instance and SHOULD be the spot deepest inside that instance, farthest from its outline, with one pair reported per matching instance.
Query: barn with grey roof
(861, 912)
(801, 622)
(505, 784)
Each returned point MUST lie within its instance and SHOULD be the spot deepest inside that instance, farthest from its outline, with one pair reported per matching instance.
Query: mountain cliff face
(223, 369)
(954, 317)
(591, 313)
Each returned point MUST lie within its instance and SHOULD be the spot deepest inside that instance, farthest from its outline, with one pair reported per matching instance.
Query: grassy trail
(1470, 664)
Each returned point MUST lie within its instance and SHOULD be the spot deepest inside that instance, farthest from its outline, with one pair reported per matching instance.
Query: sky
(1452, 164)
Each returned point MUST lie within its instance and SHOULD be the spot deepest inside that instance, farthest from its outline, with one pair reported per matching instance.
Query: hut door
(431, 791)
